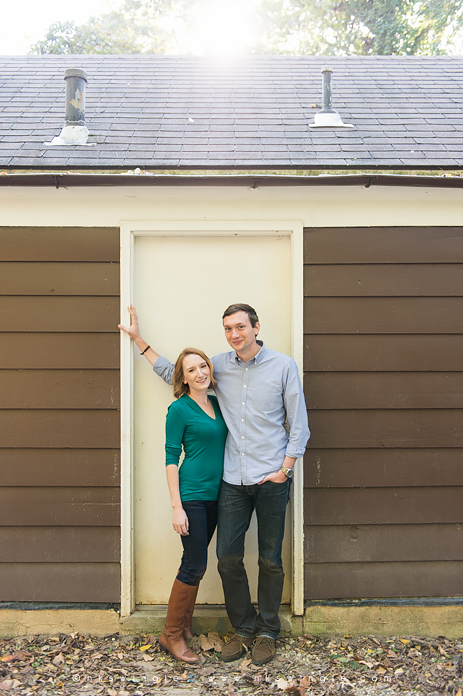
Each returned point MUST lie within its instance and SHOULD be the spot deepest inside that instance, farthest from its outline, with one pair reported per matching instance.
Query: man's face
(239, 332)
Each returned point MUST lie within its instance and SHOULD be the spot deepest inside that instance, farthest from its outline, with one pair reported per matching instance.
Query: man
(259, 391)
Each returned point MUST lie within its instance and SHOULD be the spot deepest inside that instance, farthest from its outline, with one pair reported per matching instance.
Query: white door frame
(130, 230)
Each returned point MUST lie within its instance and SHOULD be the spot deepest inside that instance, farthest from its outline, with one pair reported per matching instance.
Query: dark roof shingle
(193, 112)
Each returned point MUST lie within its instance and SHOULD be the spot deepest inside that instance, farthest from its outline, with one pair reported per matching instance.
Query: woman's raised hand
(133, 331)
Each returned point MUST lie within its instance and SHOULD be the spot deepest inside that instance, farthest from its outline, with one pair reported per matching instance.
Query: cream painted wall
(314, 206)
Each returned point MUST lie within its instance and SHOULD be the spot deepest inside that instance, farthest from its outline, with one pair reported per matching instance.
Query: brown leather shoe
(235, 647)
(171, 638)
(263, 650)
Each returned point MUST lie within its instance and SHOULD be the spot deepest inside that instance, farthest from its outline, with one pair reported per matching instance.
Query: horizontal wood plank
(391, 315)
(364, 580)
(60, 351)
(400, 353)
(60, 244)
(79, 429)
(59, 467)
(60, 314)
(37, 507)
(60, 544)
(383, 543)
(356, 506)
(383, 245)
(384, 280)
(59, 389)
(353, 390)
(60, 582)
(31, 278)
(386, 428)
(376, 468)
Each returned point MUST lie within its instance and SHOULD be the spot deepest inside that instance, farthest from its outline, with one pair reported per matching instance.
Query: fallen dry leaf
(282, 684)
(306, 681)
(9, 684)
(59, 659)
(205, 643)
(16, 656)
(370, 665)
(216, 641)
(145, 647)
(244, 664)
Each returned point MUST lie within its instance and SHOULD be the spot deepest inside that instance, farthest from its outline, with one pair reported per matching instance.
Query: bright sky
(25, 21)
(221, 26)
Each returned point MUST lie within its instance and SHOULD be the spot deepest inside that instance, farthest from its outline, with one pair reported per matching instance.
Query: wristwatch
(287, 472)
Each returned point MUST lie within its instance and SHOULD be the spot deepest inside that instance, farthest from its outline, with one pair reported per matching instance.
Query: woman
(195, 424)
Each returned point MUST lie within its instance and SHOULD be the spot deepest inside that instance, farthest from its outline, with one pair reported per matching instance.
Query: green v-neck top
(203, 441)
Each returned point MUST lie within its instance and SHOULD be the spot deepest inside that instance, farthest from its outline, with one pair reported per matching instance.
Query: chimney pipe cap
(75, 72)
(327, 68)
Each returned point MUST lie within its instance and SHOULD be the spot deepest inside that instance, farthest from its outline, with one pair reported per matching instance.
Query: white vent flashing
(71, 135)
(328, 117)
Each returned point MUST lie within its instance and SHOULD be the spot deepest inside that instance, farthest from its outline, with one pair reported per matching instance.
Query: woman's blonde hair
(179, 385)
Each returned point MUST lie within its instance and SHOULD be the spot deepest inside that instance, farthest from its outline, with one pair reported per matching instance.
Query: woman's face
(196, 373)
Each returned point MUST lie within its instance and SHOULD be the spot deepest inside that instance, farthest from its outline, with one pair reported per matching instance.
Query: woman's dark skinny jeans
(202, 519)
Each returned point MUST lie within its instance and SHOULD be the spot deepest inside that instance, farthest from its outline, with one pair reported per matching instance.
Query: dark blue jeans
(202, 518)
(236, 504)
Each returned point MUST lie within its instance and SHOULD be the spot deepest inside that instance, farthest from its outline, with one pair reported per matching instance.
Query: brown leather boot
(187, 632)
(171, 638)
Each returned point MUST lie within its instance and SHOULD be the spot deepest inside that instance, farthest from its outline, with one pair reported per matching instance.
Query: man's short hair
(250, 311)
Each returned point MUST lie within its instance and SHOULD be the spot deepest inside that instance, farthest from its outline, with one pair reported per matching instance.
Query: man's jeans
(236, 504)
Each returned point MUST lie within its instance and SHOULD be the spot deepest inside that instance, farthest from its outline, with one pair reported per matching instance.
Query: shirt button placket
(243, 423)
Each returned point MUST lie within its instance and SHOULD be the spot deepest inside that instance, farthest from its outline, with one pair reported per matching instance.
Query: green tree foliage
(360, 27)
(137, 27)
(311, 27)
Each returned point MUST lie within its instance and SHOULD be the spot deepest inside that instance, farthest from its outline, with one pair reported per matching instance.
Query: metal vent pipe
(76, 81)
(328, 117)
(327, 73)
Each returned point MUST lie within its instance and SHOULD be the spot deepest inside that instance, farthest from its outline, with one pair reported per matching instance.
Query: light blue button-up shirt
(256, 398)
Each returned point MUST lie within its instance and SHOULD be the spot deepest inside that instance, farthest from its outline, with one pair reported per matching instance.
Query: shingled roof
(166, 112)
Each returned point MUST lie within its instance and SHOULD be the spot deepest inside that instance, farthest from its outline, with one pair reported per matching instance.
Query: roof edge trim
(69, 180)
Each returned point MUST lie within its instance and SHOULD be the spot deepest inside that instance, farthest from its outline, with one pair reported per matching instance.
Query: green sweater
(203, 440)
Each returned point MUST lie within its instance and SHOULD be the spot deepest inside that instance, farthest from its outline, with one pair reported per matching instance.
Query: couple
(262, 404)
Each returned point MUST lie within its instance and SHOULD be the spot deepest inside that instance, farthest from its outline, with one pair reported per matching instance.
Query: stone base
(318, 619)
(48, 622)
(379, 620)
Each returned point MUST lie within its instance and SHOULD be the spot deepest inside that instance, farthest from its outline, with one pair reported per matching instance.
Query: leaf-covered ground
(135, 665)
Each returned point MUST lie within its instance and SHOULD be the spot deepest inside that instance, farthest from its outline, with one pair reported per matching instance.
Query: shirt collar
(257, 358)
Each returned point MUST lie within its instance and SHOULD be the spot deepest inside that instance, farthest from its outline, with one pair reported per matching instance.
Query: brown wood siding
(383, 377)
(59, 415)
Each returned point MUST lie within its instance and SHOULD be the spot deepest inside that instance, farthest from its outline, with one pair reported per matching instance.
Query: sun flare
(222, 27)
